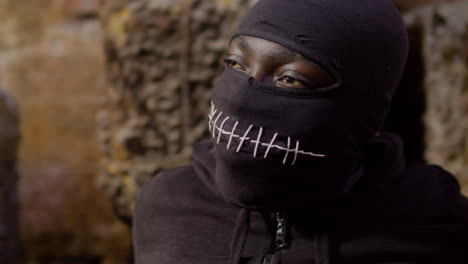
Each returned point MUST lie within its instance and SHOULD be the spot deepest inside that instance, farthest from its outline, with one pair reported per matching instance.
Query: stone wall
(162, 58)
(51, 62)
(445, 50)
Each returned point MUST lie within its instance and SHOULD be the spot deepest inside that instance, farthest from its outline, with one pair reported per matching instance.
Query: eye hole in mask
(274, 64)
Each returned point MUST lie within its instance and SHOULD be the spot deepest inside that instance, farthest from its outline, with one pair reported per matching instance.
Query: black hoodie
(312, 184)
(392, 215)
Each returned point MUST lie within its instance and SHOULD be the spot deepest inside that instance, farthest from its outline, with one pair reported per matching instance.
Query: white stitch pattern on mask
(270, 145)
(211, 119)
(231, 134)
(210, 116)
(295, 153)
(221, 129)
(287, 152)
(213, 127)
(214, 124)
(257, 142)
(244, 138)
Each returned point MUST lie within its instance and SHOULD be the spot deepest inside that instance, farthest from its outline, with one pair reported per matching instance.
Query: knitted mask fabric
(281, 148)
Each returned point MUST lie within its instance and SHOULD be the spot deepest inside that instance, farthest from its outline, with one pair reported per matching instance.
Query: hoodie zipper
(267, 259)
(280, 236)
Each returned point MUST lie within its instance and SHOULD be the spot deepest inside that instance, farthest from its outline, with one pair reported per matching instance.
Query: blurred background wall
(112, 91)
(51, 64)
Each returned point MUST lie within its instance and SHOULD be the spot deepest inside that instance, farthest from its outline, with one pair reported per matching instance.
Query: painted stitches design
(217, 122)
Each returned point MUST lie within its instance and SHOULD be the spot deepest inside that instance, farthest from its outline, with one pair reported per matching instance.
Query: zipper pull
(280, 239)
(267, 259)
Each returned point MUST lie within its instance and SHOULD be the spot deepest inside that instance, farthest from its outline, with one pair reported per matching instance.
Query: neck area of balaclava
(283, 149)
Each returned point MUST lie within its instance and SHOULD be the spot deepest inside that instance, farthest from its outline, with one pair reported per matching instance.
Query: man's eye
(233, 64)
(290, 82)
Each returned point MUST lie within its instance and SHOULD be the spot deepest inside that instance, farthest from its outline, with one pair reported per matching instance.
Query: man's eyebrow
(283, 54)
(243, 43)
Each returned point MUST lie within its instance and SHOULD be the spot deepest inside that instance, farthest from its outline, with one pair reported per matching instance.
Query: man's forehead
(275, 52)
(252, 44)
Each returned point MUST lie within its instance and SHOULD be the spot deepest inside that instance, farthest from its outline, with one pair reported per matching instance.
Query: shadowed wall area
(51, 63)
(9, 138)
(113, 91)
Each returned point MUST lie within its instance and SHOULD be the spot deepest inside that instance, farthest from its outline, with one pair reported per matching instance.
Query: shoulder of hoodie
(173, 179)
(420, 195)
(171, 199)
(419, 213)
(427, 187)
(175, 192)
(159, 190)
(175, 212)
(179, 186)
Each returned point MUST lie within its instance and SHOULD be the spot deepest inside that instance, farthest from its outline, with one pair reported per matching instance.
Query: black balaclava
(282, 148)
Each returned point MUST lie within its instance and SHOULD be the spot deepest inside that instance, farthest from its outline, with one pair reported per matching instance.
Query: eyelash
(291, 83)
(229, 62)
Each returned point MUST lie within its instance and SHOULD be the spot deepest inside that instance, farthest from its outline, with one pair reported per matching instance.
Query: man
(295, 171)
